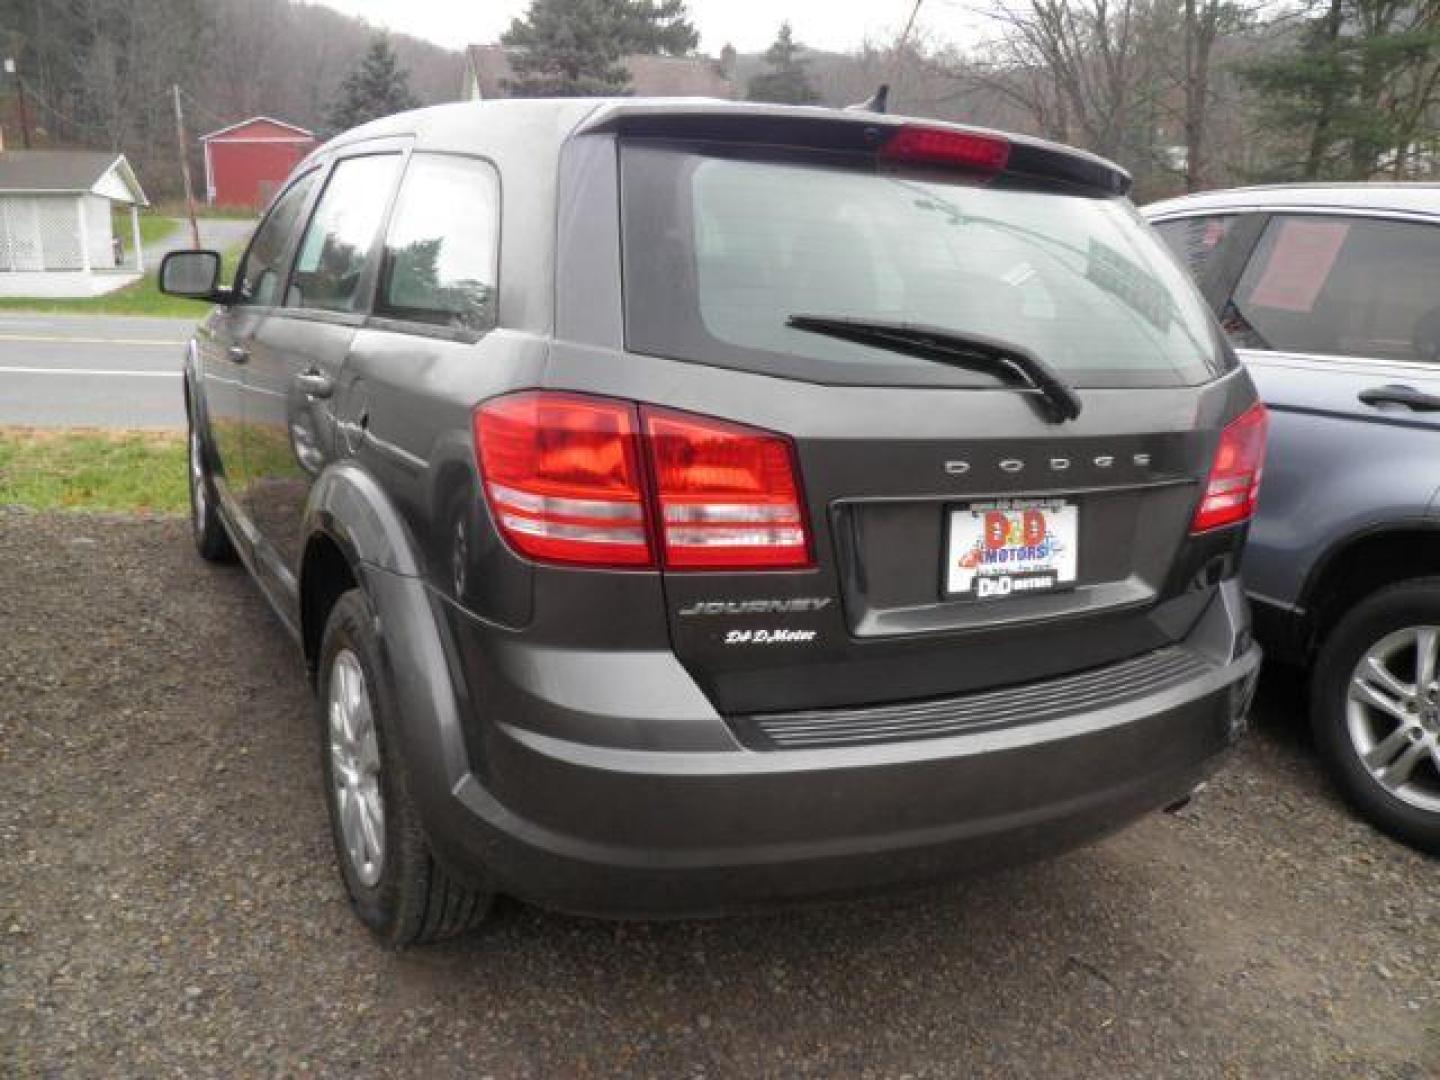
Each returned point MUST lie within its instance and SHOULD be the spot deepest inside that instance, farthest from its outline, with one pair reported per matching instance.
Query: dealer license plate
(1011, 547)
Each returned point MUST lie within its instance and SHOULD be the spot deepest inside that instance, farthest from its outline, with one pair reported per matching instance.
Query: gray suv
(1331, 294)
(686, 505)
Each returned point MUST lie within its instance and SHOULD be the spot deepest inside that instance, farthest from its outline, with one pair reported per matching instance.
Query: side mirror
(194, 274)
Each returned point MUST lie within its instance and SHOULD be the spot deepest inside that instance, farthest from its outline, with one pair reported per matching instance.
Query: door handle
(238, 354)
(315, 384)
(1397, 394)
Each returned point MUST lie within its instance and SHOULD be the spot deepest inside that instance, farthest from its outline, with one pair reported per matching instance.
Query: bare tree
(1079, 67)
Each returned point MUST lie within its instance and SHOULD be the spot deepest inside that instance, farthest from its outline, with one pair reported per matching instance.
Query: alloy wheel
(1393, 715)
(355, 768)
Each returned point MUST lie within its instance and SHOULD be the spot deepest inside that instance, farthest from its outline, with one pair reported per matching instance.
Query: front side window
(1341, 286)
(720, 252)
(439, 264)
(259, 279)
(337, 242)
(1195, 239)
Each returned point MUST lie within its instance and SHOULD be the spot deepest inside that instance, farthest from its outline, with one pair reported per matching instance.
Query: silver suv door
(1337, 317)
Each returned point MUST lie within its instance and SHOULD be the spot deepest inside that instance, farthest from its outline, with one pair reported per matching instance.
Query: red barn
(246, 162)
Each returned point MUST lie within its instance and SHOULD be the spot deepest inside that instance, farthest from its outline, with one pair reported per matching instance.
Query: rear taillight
(727, 494)
(956, 149)
(563, 475)
(1234, 479)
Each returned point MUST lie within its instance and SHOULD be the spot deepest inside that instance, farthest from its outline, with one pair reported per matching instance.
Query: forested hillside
(98, 73)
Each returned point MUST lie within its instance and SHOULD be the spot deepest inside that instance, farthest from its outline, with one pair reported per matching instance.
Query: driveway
(168, 902)
(215, 233)
(92, 370)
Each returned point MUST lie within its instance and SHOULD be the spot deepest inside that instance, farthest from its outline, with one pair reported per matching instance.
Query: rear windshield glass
(720, 251)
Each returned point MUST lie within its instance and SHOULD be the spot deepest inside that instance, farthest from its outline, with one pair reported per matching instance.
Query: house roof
(650, 76)
(70, 172)
(229, 129)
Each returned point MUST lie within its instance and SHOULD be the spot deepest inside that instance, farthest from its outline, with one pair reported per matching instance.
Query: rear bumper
(624, 831)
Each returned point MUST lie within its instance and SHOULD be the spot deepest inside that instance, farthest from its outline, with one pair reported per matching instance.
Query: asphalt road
(169, 905)
(92, 370)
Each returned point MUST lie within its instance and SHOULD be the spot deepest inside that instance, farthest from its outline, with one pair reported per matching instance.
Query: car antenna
(876, 103)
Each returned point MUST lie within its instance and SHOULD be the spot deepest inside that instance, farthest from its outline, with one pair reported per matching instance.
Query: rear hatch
(1003, 398)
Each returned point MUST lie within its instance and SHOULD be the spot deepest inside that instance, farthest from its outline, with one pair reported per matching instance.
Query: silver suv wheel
(1393, 715)
(355, 768)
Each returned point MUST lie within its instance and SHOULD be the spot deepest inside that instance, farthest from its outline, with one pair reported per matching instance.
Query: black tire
(1414, 603)
(412, 900)
(206, 528)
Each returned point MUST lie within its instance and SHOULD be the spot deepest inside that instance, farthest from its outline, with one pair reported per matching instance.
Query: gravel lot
(168, 902)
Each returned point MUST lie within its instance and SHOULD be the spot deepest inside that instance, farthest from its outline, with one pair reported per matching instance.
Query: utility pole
(20, 92)
(185, 168)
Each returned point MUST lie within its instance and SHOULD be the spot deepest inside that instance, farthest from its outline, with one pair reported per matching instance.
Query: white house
(55, 222)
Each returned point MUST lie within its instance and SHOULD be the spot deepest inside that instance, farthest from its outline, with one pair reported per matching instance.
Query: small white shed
(56, 237)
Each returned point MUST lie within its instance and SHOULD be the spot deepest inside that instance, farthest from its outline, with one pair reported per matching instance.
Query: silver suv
(1331, 295)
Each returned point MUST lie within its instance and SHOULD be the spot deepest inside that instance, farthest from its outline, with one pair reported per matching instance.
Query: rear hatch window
(721, 249)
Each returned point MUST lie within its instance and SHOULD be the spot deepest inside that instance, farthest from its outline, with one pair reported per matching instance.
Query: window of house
(337, 242)
(439, 264)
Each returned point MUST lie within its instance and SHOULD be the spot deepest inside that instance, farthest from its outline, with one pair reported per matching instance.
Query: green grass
(142, 298)
(92, 470)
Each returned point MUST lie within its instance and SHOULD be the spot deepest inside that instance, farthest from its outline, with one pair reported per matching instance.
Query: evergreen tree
(787, 82)
(378, 87)
(573, 48)
(1355, 87)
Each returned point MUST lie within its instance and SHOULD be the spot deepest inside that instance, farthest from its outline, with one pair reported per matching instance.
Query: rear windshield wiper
(947, 347)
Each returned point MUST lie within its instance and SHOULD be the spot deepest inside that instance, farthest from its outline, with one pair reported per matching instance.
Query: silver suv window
(1341, 286)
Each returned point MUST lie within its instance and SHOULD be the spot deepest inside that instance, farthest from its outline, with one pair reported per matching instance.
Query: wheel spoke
(1425, 641)
(371, 823)
(1375, 671)
(1389, 748)
(352, 826)
(1399, 772)
(1363, 691)
(342, 765)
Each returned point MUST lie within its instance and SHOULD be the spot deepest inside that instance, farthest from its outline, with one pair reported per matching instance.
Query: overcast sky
(748, 24)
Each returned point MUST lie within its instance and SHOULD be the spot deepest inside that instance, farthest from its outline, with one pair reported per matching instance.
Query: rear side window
(337, 242)
(440, 255)
(720, 251)
(1342, 286)
(1194, 239)
(260, 277)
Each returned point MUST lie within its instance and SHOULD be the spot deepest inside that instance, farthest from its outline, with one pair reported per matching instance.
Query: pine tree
(1355, 86)
(574, 48)
(378, 87)
(787, 82)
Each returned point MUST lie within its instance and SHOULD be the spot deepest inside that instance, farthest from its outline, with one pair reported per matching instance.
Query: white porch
(57, 229)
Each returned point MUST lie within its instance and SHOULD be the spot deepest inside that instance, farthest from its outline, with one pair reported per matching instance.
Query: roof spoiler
(838, 131)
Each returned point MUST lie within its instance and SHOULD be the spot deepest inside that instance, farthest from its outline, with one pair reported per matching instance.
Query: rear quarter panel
(1332, 473)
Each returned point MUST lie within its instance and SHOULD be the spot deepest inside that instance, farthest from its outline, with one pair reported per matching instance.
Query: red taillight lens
(727, 494)
(562, 474)
(563, 477)
(1234, 479)
(936, 146)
